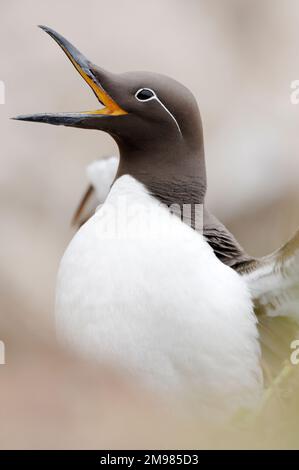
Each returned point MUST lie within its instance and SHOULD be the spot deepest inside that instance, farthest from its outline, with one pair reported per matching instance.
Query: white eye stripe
(155, 97)
(170, 114)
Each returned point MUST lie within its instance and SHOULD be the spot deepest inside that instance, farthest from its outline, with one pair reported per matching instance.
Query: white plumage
(159, 304)
(101, 174)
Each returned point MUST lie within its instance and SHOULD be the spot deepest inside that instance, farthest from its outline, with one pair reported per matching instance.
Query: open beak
(94, 77)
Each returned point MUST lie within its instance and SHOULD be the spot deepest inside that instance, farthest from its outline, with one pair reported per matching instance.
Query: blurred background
(239, 58)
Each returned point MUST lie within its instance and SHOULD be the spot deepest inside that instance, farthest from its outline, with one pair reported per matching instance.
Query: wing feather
(101, 174)
(274, 284)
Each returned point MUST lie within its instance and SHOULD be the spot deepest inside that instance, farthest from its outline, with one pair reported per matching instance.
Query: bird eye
(145, 94)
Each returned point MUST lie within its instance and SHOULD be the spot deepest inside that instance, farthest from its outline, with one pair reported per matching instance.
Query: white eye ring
(151, 97)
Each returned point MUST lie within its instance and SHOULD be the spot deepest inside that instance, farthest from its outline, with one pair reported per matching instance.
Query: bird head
(134, 106)
(153, 118)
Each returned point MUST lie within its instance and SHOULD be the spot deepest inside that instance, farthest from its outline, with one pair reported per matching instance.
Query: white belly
(161, 306)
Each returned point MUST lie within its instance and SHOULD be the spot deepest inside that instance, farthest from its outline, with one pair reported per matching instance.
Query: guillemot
(167, 307)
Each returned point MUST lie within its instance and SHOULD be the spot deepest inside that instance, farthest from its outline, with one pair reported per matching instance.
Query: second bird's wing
(274, 285)
(101, 174)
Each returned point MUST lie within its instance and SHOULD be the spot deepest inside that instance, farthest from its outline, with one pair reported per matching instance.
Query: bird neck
(178, 178)
(173, 177)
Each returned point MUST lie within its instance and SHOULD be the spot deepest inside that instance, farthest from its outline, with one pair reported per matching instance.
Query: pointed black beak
(94, 77)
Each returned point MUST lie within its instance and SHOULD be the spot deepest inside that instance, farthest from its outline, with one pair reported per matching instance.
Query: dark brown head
(154, 120)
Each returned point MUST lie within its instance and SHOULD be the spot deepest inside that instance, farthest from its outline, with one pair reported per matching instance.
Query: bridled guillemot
(173, 307)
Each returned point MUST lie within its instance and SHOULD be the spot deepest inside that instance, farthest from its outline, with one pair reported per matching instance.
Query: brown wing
(85, 208)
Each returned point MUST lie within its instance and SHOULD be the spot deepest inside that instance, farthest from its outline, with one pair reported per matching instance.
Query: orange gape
(111, 107)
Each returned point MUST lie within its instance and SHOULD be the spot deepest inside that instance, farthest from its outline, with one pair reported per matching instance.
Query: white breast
(153, 298)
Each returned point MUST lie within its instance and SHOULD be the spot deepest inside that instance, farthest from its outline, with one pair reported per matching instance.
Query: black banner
(144, 458)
